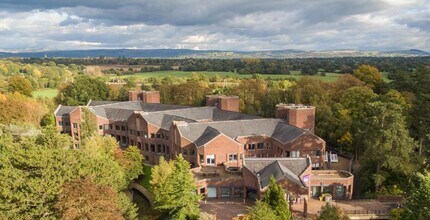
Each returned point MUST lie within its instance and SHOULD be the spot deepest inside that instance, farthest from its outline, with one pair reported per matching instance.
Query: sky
(244, 25)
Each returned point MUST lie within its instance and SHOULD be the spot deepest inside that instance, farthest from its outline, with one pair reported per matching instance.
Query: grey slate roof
(275, 128)
(65, 110)
(165, 118)
(209, 134)
(101, 110)
(264, 168)
(95, 103)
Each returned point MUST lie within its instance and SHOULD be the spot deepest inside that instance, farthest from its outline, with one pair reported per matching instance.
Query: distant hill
(214, 54)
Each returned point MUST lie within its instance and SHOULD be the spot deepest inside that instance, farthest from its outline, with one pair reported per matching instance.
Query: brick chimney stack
(144, 96)
(298, 115)
(228, 103)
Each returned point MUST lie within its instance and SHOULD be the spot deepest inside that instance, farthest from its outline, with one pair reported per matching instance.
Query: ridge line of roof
(235, 120)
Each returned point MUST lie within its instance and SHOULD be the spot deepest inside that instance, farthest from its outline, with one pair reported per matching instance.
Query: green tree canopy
(369, 75)
(275, 198)
(386, 141)
(331, 212)
(262, 211)
(20, 84)
(82, 90)
(418, 203)
(174, 189)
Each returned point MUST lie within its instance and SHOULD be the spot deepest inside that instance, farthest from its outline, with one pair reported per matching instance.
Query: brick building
(225, 148)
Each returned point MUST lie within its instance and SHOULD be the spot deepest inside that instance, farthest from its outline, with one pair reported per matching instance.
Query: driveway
(225, 209)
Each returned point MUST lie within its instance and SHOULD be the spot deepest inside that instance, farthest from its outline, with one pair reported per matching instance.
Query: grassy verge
(49, 93)
(146, 177)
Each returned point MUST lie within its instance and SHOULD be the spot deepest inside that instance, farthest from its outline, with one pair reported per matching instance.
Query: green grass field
(330, 77)
(49, 93)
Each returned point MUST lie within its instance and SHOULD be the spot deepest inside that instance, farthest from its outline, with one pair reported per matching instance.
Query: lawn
(49, 93)
(146, 177)
(330, 77)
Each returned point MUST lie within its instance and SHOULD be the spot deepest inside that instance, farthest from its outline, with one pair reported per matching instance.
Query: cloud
(221, 24)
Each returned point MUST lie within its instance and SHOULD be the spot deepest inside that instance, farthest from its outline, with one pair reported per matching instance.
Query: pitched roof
(95, 103)
(290, 168)
(275, 128)
(64, 110)
(209, 134)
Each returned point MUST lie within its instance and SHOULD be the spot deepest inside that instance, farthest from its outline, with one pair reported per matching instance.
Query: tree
(21, 85)
(262, 211)
(386, 141)
(369, 75)
(331, 212)
(418, 203)
(275, 199)
(17, 109)
(84, 199)
(33, 171)
(82, 90)
(88, 125)
(174, 189)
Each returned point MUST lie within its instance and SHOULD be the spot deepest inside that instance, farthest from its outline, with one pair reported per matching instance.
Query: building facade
(221, 144)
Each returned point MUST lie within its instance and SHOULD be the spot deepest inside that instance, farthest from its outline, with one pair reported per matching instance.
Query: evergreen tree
(262, 211)
(275, 199)
(174, 189)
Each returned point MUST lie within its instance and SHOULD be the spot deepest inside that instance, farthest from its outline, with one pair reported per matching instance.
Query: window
(316, 153)
(158, 147)
(124, 139)
(123, 128)
(146, 157)
(117, 128)
(152, 135)
(158, 135)
(185, 151)
(269, 146)
(67, 123)
(146, 147)
(193, 152)
(131, 142)
(100, 127)
(118, 138)
(315, 165)
(295, 154)
(201, 158)
(166, 137)
(139, 133)
(210, 159)
(75, 125)
(139, 145)
(76, 136)
(131, 131)
(60, 123)
(251, 146)
(260, 146)
(232, 157)
(225, 192)
(110, 127)
(152, 147)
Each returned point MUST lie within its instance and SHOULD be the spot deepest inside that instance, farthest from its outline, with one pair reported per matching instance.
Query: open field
(330, 77)
(49, 93)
